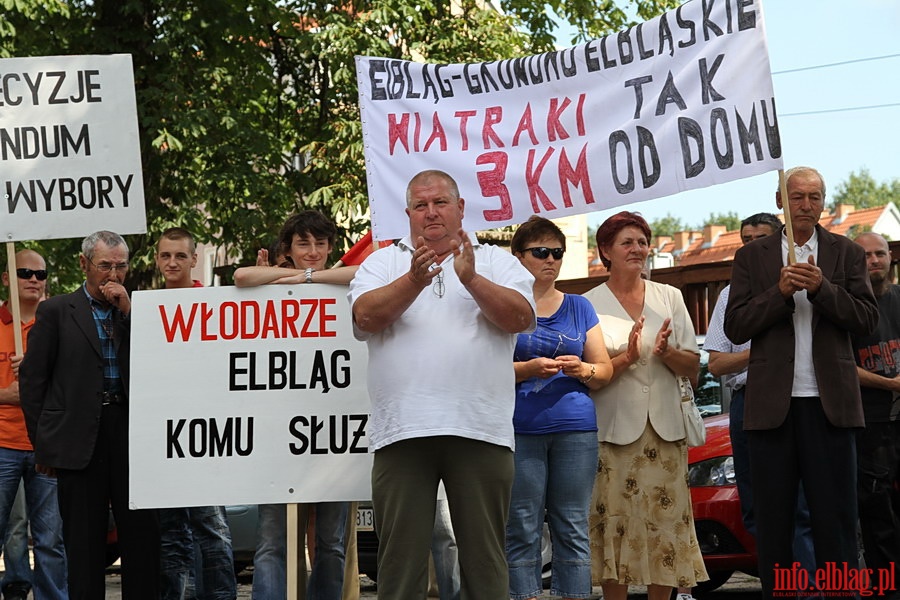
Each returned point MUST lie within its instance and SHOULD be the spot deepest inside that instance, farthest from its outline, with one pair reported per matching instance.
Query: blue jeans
(196, 545)
(46, 524)
(445, 553)
(555, 471)
(269, 571)
(17, 568)
(326, 581)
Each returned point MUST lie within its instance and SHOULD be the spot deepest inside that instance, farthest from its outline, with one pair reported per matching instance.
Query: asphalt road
(739, 587)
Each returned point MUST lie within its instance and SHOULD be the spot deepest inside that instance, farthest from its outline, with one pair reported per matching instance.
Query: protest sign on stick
(679, 102)
(268, 404)
(70, 160)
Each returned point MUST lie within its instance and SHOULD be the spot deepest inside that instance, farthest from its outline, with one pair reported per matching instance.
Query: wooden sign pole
(14, 296)
(786, 207)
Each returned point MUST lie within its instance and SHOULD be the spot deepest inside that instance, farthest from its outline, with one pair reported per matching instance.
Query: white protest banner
(246, 396)
(679, 102)
(70, 160)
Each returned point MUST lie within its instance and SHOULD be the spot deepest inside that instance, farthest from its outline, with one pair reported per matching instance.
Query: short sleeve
(716, 340)
(585, 314)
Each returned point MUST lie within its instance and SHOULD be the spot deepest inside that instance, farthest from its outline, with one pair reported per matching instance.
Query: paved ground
(739, 587)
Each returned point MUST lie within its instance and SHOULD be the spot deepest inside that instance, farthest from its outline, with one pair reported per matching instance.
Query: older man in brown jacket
(802, 397)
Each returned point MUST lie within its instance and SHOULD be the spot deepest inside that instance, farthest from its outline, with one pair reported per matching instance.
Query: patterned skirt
(641, 525)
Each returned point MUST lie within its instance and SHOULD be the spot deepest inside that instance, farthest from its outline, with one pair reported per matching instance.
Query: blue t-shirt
(559, 403)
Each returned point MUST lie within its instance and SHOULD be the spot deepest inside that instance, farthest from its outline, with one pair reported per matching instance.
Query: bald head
(29, 259)
(871, 237)
(30, 275)
(878, 260)
(29, 254)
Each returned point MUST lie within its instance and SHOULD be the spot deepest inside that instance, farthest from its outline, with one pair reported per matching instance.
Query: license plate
(365, 519)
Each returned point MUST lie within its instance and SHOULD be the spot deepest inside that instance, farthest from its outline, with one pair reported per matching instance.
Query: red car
(725, 543)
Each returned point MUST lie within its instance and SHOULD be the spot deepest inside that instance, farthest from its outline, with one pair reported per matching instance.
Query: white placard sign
(247, 396)
(679, 102)
(70, 159)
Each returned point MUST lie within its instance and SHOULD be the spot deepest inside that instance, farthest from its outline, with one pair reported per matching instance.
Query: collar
(812, 244)
(6, 315)
(407, 244)
(102, 306)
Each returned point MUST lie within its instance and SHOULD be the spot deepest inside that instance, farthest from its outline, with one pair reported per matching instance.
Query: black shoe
(16, 591)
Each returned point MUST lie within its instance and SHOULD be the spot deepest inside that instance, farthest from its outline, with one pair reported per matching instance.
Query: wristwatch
(309, 272)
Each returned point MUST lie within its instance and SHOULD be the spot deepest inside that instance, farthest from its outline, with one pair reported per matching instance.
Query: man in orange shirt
(16, 452)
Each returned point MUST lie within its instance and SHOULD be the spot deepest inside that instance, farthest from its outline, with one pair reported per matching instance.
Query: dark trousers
(85, 497)
(878, 449)
(478, 479)
(805, 448)
(740, 451)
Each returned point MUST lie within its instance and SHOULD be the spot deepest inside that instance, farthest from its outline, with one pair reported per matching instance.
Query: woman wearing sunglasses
(642, 529)
(555, 424)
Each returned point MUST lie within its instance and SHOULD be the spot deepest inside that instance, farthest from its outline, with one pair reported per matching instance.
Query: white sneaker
(684, 597)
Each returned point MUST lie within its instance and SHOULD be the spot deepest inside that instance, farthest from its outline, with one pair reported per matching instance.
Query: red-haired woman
(642, 529)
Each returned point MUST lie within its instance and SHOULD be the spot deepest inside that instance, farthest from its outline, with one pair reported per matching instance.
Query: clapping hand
(633, 352)
(661, 346)
(463, 257)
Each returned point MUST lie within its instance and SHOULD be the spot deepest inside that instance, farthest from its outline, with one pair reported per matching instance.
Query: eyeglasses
(438, 286)
(106, 267)
(542, 252)
(41, 274)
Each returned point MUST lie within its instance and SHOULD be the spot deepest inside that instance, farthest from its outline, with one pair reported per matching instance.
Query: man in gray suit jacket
(74, 393)
(802, 404)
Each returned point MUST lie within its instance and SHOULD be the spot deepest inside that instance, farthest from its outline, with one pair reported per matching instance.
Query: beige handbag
(694, 429)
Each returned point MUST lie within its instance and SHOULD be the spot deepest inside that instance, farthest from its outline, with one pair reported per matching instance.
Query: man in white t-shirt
(440, 313)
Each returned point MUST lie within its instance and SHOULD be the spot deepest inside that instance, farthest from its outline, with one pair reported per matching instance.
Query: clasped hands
(800, 276)
(569, 364)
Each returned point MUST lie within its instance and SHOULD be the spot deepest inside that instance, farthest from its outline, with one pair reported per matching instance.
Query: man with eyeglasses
(17, 462)
(74, 392)
(439, 313)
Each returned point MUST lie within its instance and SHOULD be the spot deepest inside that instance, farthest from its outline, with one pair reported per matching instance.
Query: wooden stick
(293, 552)
(14, 296)
(786, 207)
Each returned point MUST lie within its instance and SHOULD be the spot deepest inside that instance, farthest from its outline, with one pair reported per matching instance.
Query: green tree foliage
(731, 220)
(589, 19)
(862, 191)
(667, 225)
(592, 236)
(248, 110)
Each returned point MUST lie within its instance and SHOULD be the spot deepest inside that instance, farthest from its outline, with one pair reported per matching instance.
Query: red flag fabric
(361, 249)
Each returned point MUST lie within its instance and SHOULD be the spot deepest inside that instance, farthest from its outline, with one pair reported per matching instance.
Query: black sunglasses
(542, 252)
(41, 274)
